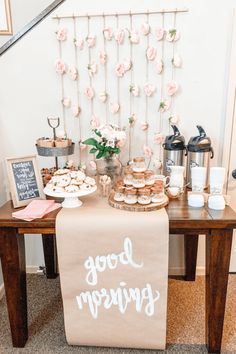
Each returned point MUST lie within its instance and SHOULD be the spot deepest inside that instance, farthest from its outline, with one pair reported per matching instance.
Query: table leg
(12, 254)
(218, 251)
(190, 246)
(50, 255)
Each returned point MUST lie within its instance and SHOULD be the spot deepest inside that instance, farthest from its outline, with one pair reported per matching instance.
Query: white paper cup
(177, 176)
(198, 177)
(217, 179)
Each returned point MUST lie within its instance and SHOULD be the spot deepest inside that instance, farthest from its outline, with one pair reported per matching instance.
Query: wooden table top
(180, 216)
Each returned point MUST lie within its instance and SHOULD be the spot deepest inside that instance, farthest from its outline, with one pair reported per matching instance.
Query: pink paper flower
(177, 61)
(120, 69)
(91, 40)
(75, 111)
(95, 123)
(73, 73)
(145, 29)
(93, 165)
(174, 119)
(159, 138)
(172, 35)
(134, 89)
(147, 151)
(108, 33)
(61, 33)
(79, 42)
(159, 33)
(151, 53)
(144, 125)
(164, 106)
(127, 64)
(119, 36)
(171, 88)
(89, 92)
(60, 66)
(134, 36)
(114, 107)
(103, 96)
(102, 57)
(66, 102)
(92, 69)
(82, 146)
(149, 89)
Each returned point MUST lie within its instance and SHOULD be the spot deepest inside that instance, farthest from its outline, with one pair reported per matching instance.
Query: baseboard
(32, 269)
(2, 291)
(181, 271)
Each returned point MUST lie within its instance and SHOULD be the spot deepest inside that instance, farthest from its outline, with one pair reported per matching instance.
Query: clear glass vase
(110, 166)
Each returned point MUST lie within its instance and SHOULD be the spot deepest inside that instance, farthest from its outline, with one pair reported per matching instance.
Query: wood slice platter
(136, 207)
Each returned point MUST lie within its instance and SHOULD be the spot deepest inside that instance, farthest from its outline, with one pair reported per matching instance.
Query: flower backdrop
(120, 70)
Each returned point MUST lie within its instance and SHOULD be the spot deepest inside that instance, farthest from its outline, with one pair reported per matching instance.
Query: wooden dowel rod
(122, 13)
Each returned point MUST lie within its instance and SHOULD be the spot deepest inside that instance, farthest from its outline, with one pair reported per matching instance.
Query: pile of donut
(65, 180)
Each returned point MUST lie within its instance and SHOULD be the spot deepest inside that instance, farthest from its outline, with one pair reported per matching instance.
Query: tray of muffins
(139, 189)
(55, 147)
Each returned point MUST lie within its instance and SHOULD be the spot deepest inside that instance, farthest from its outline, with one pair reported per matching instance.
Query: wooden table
(217, 226)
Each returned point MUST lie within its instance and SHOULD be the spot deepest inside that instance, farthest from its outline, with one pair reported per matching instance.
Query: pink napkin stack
(36, 210)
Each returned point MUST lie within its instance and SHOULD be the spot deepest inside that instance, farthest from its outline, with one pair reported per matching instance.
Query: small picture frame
(5, 18)
(25, 180)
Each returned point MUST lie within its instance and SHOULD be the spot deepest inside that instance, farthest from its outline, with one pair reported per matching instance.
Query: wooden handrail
(30, 25)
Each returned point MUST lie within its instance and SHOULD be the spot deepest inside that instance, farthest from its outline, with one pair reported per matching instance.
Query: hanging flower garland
(61, 34)
(60, 66)
(145, 28)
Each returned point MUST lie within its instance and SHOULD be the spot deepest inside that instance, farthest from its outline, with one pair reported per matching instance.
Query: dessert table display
(216, 225)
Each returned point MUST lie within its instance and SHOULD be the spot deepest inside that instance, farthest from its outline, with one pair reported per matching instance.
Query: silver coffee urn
(173, 152)
(199, 153)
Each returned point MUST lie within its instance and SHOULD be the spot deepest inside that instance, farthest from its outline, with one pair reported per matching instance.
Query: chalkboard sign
(25, 180)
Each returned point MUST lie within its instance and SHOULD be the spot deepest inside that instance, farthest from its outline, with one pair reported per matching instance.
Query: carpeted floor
(185, 321)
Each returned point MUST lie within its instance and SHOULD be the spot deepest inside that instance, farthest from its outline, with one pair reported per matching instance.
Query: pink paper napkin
(36, 210)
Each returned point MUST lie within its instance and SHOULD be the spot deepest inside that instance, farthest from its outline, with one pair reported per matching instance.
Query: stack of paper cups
(198, 177)
(217, 179)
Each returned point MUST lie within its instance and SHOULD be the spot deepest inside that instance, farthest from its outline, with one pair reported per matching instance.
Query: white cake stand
(71, 200)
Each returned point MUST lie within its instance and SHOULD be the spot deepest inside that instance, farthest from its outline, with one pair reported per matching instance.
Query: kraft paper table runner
(113, 268)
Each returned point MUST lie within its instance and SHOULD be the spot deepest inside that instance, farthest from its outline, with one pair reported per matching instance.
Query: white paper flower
(79, 43)
(76, 111)
(134, 89)
(159, 138)
(147, 151)
(171, 88)
(95, 123)
(159, 66)
(134, 36)
(72, 72)
(157, 164)
(164, 106)
(66, 102)
(103, 96)
(177, 61)
(174, 119)
(102, 57)
(127, 64)
(92, 69)
(149, 89)
(172, 35)
(108, 33)
(91, 40)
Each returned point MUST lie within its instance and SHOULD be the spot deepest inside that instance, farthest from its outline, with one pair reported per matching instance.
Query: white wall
(30, 89)
(23, 12)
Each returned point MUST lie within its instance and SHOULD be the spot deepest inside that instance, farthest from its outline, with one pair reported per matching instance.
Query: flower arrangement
(108, 141)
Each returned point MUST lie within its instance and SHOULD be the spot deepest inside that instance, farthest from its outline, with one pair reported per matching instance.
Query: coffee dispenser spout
(201, 131)
(176, 130)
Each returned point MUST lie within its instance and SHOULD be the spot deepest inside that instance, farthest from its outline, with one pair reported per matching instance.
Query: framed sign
(24, 179)
(5, 18)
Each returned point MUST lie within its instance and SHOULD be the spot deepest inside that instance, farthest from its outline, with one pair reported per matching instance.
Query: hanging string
(147, 80)
(118, 79)
(62, 87)
(89, 60)
(172, 70)
(131, 82)
(77, 85)
(105, 71)
(160, 125)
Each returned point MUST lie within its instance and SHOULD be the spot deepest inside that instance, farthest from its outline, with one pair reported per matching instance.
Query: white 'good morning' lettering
(144, 298)
(100, 263)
